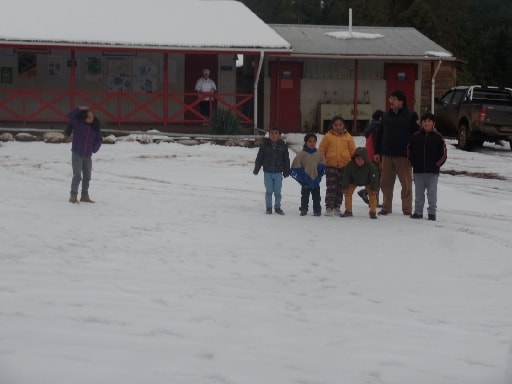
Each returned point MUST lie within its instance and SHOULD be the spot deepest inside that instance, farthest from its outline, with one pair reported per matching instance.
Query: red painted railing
(38, 106)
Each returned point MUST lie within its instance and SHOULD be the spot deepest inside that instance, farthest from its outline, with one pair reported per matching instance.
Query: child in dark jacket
(360, 172)
(427, 153)
(274, 158)
(308, 167)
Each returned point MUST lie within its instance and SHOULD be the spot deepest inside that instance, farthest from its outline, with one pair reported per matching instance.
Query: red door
(285, 95)
(403, 77)
(194, 65)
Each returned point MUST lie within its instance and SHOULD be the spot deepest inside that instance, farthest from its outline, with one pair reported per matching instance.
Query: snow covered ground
(177, 275)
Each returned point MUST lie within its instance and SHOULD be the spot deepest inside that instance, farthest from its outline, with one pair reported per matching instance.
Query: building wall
(333, 82)
(98, 74)
(226, 78)
(446, 78)
(176, 82)
(142, 74)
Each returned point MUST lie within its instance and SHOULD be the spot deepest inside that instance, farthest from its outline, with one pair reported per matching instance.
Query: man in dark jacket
(398, 126)
(274, 158)
(427, 153)
(87, 140)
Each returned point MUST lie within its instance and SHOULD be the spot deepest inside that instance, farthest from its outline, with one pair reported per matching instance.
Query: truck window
(446, 99)
(483, 95)
(458, 95)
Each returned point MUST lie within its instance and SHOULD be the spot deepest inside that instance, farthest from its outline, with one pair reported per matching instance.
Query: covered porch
(140, 71)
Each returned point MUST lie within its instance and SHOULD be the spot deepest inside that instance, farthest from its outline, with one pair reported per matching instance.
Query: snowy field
(176, 275)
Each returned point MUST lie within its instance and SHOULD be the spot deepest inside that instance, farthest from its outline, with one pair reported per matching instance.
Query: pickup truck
(474, 114)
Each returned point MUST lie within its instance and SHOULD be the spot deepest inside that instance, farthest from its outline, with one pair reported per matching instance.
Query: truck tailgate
(499, 116)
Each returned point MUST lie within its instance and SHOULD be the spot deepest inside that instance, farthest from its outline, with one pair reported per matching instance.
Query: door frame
(402, 76)
(278, 100)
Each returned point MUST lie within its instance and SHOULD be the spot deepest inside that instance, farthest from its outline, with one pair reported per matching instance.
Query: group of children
(347, 167)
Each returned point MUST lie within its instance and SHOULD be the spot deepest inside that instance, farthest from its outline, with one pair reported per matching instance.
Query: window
(457, 96)
(447, 98)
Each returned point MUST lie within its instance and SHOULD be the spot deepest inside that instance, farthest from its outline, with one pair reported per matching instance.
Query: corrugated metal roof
(397, 43)
(148, 24)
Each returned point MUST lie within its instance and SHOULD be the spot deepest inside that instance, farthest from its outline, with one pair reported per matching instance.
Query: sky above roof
(157, 23)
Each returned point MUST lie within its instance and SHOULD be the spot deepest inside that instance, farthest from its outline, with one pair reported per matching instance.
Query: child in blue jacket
(307, 168)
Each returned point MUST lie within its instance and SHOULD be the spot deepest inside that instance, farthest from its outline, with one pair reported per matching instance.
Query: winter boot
(303, 211)
(86, 199)
(269, 211)
(73, 199)
(431, 217)
(346, 214)
(328, 212)
(364, 195)
(279, 211)
(416, 216)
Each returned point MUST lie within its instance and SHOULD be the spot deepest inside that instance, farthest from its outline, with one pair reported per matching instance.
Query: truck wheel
(464, 142)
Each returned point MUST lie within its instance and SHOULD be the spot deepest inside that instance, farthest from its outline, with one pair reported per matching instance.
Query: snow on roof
(353, 35)
(160, 24)
(437, 54)
(359, 41)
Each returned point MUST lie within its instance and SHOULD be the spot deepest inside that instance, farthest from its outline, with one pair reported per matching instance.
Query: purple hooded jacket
(87, 138)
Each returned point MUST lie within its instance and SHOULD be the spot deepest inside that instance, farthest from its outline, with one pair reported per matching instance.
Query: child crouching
(307, 168)
(360, 172)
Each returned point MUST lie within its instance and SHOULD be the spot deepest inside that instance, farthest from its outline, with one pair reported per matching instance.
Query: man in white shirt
(205, 85)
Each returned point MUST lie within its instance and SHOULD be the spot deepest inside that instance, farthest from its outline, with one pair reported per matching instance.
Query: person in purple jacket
(87, 140)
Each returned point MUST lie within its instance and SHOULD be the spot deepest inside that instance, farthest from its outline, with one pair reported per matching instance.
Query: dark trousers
(204, 106)
(315, 195)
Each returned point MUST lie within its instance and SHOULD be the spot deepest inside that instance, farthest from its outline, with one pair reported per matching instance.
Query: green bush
(224, 122)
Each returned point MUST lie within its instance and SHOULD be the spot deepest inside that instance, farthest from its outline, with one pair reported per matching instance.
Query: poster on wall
(27, 65)
(119, 75)
(144, 75)
(55, 64)
(73, 64)
(6, 75)
(94, 69)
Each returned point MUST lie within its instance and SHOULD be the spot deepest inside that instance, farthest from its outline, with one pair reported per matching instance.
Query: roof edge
(379, 57)
(148, 48)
